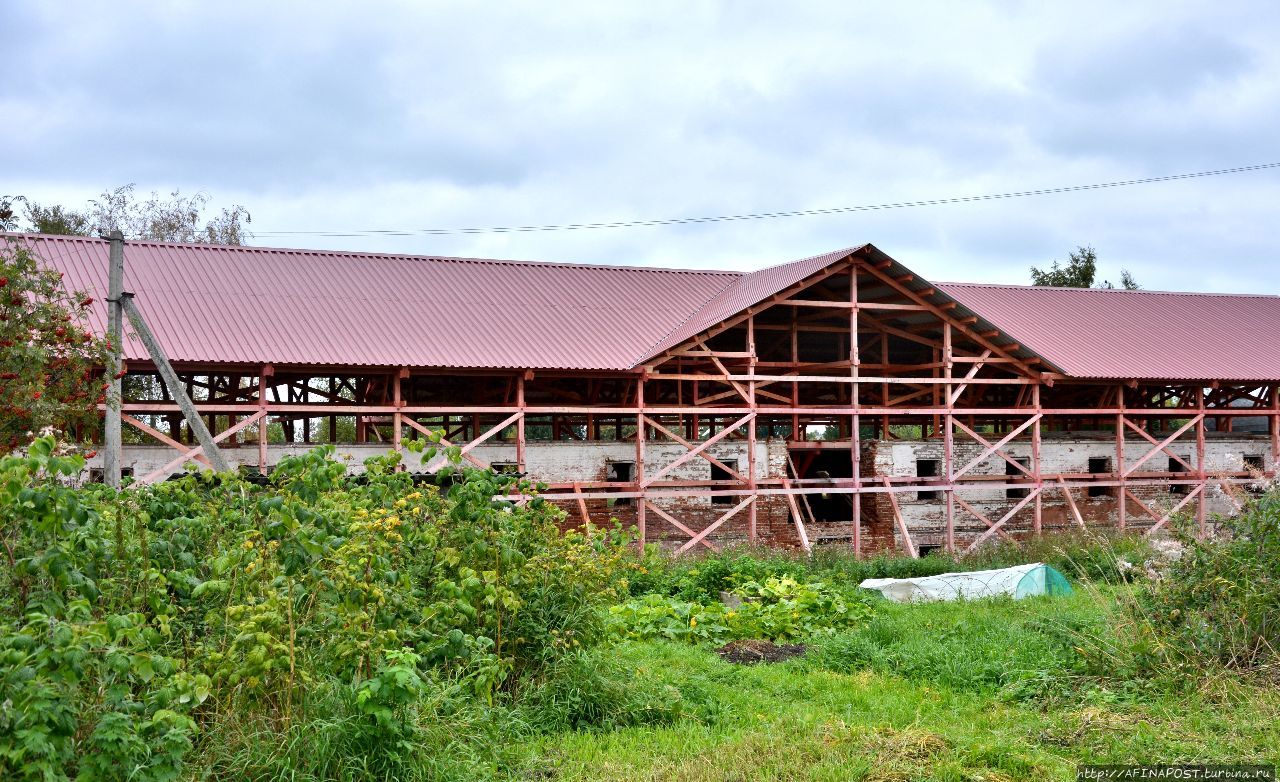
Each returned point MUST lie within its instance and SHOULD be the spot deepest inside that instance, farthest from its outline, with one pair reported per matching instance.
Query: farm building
(836, 399)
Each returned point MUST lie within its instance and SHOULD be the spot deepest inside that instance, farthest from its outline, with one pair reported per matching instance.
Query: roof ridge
(737, 281)
(1008, 286)
(376, 255)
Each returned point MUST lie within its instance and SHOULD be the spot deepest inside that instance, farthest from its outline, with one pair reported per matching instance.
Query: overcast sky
(339, 116)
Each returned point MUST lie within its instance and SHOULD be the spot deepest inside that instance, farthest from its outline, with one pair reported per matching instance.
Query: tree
(49, 358)
(1080, 272)
(176, 218)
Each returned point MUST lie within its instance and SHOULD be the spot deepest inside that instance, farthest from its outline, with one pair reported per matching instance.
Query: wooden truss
(856, 355)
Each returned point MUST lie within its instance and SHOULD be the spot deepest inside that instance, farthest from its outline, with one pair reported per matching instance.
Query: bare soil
(750, 652)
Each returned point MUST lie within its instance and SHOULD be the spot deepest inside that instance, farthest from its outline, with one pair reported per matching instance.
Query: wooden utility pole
(115, 334)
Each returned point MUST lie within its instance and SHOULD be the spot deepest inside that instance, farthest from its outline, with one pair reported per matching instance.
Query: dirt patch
(751, 652)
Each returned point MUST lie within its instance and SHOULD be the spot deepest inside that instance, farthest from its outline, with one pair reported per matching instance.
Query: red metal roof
(746, 291)
(253, 305)
(1100, 333)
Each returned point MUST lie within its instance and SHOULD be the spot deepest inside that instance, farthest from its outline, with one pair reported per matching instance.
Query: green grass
(961, 691)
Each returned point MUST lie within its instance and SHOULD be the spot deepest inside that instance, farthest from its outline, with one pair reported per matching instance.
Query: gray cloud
(409, 115)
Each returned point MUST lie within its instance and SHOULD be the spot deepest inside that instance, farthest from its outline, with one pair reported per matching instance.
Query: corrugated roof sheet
(1100, 333)
(746, 291)
(253, 305)
(250, 305)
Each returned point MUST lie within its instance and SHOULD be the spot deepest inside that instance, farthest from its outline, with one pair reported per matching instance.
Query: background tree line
(172, 218)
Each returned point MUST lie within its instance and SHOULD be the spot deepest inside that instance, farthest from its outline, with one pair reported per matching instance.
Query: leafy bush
(134, 623)
(777, 609)
(1219, 603)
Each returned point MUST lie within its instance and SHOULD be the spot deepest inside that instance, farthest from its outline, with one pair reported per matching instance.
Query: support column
(1274, 418)
(1201, 503)
(520, 424)
(640, 501)
(855, 420)
(751, 428)
(1122, 507)
(1035, 461)
(111, 454)
(948, 441)
(264, 423)
(397, 418)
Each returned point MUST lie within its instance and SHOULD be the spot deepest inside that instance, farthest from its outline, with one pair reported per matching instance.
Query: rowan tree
(50, 362)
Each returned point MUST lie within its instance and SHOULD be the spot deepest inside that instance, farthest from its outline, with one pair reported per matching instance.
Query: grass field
(985, 690)
(322, 628)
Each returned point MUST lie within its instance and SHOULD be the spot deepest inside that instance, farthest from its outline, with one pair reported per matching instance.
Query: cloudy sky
(324, 116)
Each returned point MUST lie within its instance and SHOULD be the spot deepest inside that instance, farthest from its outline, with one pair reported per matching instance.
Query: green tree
(48, 356)
(173, 218)
(1080, 272)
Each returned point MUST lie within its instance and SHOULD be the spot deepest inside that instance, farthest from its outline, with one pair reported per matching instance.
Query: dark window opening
(1258, 466)
(1100, 465)
(927, 468)
(621, 472)
(505, 468)
(1010, 470)
(1176, 466)
(820, 470)
(925, 551)
(98, 475)
(718, 474)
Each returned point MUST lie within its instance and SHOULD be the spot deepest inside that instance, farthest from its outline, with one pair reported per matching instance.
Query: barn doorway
(825, 464)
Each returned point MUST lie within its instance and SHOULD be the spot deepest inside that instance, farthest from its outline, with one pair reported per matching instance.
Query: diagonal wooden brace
(715, 525)
(1165, 519)
(994, 448)
(978, 541)
(162, 437)
(1162, 445)
(195, 453)
(704, 445)
(673, 521)
(690, 445)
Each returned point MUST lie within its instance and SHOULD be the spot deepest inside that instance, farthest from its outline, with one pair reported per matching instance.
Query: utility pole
(115, 334)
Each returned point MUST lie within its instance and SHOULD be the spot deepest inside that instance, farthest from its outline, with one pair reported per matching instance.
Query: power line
(771, 215)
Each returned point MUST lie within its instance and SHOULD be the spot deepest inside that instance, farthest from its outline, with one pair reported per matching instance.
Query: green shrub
(132, 624)
(1219, 603)
(780, 608)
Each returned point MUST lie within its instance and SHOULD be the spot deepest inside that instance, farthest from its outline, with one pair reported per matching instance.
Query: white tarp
(1034, 579)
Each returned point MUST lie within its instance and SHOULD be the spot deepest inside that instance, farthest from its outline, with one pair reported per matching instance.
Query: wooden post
(855, 420)
(1035, 461)
(397, 418)
(948, 441)
(1200, 474)
(1274, 419)
(751, 427)
(263, 422)
(1122, 504)
(111, 452)
(520, 424)
(640, 501)
(170, 378)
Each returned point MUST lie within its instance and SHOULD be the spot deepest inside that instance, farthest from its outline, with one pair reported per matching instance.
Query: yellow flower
(693, 621)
